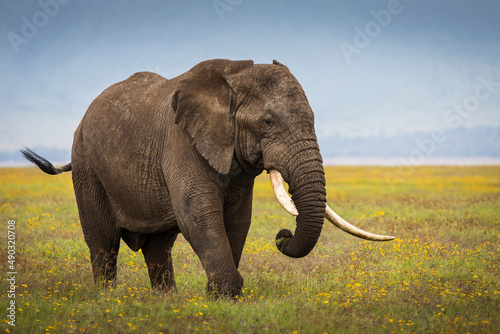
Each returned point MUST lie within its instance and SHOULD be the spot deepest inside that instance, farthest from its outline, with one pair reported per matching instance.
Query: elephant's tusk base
(281, 193)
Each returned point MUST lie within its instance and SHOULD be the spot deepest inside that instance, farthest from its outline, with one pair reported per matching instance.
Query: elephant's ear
(204, 105)
(275, 62)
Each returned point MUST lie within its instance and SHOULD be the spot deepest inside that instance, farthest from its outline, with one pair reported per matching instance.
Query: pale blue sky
(402, 73)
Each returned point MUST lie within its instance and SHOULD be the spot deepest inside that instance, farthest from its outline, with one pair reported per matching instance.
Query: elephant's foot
(162, 276)
(104, 269)
(164, 288)
(105, 282)
(105, 279)
(222, 287)
(163, 284)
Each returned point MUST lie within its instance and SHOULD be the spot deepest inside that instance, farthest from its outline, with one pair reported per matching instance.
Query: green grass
(441, 274)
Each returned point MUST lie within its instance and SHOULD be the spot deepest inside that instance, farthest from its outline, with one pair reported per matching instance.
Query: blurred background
(390, 82)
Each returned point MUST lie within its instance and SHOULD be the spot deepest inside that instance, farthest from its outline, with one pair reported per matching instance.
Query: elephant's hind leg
(98, 224)
(157, 252)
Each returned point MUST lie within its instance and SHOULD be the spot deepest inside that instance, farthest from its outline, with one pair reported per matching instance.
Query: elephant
(155, 157)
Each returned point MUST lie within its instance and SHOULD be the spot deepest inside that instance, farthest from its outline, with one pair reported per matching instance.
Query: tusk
(287, 204)
(336, 220)
(281, 193)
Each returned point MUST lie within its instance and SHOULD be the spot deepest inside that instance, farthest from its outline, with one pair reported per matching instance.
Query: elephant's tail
(43, 163)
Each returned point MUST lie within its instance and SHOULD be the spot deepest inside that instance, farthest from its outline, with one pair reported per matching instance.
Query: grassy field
(441, 274)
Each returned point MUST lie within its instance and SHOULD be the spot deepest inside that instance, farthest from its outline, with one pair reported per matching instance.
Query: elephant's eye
(269, 122)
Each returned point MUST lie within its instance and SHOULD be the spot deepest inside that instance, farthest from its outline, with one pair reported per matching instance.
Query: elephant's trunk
(307, 186)
(335, 219)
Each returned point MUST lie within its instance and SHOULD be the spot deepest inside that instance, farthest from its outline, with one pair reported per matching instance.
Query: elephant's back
(132, 90)
(126, 116)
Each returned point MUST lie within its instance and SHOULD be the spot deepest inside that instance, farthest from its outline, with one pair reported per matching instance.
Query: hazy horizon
(476, 146)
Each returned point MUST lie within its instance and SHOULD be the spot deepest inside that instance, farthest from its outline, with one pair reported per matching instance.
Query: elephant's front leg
(207, 235)
(237, 219)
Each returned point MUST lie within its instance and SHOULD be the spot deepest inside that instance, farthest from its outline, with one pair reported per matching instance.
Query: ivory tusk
(336, 220)
(281, 193)
(287, 204)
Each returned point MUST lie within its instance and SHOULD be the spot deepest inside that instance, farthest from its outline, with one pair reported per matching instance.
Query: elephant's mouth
(287, 203)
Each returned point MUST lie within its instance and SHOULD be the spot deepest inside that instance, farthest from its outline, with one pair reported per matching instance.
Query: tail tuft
(43, 163)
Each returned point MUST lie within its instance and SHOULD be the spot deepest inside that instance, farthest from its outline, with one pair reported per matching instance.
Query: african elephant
(154, 157)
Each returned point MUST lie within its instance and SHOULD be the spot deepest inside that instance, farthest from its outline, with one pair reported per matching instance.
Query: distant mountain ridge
(457, 142)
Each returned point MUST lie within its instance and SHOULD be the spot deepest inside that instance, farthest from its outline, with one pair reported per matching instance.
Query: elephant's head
(258, 116)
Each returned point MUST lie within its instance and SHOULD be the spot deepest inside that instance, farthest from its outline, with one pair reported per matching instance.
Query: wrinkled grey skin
(154, 157)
